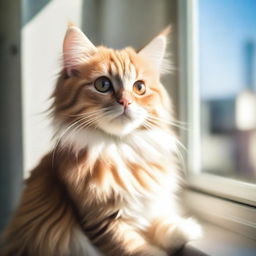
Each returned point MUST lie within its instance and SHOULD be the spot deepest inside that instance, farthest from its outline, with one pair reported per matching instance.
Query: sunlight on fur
(109, 186)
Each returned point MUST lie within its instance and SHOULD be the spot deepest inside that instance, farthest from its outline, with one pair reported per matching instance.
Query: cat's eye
(139, 87)
(103, 84)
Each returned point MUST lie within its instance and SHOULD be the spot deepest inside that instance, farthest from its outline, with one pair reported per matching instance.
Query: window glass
(227, 64)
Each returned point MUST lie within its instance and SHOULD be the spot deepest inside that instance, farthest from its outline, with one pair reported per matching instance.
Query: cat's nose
(125, 99)
(125, 102)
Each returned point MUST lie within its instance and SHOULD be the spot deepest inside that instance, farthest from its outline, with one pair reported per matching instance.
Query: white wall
(42, 40)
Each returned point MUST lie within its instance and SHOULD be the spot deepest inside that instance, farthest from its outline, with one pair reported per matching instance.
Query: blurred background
(227, 59)
(31, 35)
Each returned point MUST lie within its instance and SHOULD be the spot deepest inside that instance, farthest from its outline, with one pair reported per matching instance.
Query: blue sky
(224, 28)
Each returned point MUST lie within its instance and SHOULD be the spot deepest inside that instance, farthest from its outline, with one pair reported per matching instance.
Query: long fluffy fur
(108, 187)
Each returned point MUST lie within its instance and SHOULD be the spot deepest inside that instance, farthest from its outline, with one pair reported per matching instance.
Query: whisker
(92, 117)
(59, 139)
(88, 113)
(148, 125)
(180, 158)
(153, 118)
(179, 143)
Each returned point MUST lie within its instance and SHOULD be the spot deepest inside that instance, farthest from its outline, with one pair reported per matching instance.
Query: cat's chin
(121, 126)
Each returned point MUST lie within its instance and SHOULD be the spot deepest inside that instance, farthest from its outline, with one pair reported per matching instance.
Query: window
(227, 41)
(218, 74)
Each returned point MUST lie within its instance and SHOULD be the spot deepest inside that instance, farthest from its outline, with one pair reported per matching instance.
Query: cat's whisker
(180, 158)
(180, 122)
(169, 122)
(89, 113)
(179, 143)
(59, 139)
(111, 115)
(67, 130)
(89, 122)
(148, 125)
(159, 119)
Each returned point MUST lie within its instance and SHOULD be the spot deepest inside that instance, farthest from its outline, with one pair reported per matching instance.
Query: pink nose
(125, 102)
(125, 99)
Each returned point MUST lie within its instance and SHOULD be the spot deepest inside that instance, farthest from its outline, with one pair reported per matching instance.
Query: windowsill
(220, 242)
(229, 227)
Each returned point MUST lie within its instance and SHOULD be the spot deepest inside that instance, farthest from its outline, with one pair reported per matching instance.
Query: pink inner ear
(72, 72)
(77, 48)
(155, 50)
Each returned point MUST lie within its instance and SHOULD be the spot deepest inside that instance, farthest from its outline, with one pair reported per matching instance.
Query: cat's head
(115, 91)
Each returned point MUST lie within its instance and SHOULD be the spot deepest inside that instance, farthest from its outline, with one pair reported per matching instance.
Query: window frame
(227, 188)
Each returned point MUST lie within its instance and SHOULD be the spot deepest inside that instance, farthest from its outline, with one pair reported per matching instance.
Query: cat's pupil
(139, 86)
(105, 84)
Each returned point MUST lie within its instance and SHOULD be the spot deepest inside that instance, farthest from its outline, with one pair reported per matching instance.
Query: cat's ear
(77, 48)
(155, 51)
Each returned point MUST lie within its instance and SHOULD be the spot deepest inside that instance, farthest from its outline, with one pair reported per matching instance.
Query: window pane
(227, 61)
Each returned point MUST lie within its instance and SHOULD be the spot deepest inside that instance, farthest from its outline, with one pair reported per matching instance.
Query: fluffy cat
(108, 187)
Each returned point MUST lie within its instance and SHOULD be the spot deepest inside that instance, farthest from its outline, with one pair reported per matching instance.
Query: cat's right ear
(155, 51)
(77, 48)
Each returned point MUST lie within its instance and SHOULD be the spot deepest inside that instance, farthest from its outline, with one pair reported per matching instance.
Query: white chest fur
(141, 147)
(152, 144)
(139, 207)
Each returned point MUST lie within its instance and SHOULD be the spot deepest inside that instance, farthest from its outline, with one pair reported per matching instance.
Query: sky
(225, 26)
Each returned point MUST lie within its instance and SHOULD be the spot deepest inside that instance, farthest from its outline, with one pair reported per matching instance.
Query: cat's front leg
(172, 233)
(124, 240)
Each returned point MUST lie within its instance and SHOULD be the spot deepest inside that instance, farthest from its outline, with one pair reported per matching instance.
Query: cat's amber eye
(103, 84)
(139, 87)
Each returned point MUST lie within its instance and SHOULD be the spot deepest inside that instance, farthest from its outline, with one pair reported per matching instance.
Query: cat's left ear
(77, 48)
(155, 51)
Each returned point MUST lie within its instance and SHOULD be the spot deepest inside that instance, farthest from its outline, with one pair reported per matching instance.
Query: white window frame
(227, 188)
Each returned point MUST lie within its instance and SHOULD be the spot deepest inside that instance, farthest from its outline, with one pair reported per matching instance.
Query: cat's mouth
(123, 114)
(126, 114)
(119, 120)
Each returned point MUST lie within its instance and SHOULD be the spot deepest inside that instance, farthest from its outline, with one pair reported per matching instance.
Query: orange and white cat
(108, 187)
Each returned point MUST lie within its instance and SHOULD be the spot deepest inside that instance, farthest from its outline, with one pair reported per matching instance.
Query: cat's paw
(180, 232)
(191, 229)
(172, 233)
